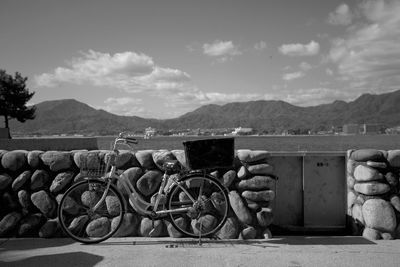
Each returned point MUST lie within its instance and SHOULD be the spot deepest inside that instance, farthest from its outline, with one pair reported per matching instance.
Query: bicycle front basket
(209, 153)
(92, 166)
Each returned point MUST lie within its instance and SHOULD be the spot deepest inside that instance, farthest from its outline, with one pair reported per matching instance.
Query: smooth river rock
(256, 183)
(366, 174)
(394, 158)
(379, 215)
(265, 195)
(365, 155)
(372, 188)
(240, 209)
(249, 156)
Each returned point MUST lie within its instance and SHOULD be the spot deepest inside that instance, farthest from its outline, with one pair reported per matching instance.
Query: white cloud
(314, 96)
(124, 106)
(300, 49)
(129, 71)
(292, 75)
(341, 16)
(369, 55)
(305, 66)
(223, 50)
(260, 46)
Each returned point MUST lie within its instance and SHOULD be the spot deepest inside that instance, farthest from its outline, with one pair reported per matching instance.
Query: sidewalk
(288, 251)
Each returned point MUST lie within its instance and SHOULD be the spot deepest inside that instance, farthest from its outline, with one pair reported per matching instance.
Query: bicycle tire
(210, 211)
(81, 223)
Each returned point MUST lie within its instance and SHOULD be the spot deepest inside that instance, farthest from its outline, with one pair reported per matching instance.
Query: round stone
(379, 215)
(367, 154)
(239, 208)
(367, 174)
(260, 169)
(350, 181)
(357, 214)
(145, 158)
(126, 159)
(20, 181)
(113, 205)
(49, 229)
(372, 188)
(230, 230)
(351, 197)
(128, 227)
(377, 165)
(172, 231)
(14, 160)
(228, 178)
(395, 201)
(256, 183)
(57, 160)
(394, 158)
(98, 227)
(149, 182)
(247, 155)
(131, 176)
(61, 181)
(40, 180)
(265, 217)
(351, 165)
(77, 225)
(248, 233)
(243, 173)
(34, 160)
(30, 225)
(9, 222)
(146, 226)
(371, 234)
(24, 199)
(392, 178)
(45, 203)
(265, 195)
(204, 224)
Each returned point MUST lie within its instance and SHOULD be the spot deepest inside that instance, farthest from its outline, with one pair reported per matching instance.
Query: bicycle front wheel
(207, 204)
(85, 217)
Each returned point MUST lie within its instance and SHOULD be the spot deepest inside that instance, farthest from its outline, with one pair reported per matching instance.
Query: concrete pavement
(288, 251)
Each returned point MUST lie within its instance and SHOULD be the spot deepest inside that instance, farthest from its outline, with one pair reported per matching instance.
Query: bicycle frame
(139, 204)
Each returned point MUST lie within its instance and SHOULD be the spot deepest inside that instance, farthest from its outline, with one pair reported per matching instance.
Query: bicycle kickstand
(153, 229)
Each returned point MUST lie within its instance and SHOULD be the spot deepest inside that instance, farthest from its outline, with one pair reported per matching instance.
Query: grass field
(277, 143)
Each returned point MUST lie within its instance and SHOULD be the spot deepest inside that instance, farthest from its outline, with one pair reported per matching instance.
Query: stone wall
(373, 193)
(32, 183)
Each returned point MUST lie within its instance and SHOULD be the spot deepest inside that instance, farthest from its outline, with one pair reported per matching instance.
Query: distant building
(371, 128)
(351, 128)
(149, 132)
(242, 131)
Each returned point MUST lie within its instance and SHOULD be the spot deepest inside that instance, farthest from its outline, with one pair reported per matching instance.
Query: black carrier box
(210, 153)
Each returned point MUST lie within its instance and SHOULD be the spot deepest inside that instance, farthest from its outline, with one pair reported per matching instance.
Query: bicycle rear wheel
(81, 221)
(208, 203)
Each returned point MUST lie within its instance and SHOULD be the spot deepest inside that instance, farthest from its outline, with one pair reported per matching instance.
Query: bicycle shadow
(61, 259)
(275, 242)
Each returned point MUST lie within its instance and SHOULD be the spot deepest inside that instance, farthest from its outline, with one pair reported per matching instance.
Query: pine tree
(13, 98)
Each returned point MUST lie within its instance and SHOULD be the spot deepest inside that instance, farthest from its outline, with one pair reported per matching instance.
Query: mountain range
(69, 116)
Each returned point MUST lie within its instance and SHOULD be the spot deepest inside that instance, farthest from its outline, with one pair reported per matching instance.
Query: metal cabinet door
(324, 185)
(288, 204)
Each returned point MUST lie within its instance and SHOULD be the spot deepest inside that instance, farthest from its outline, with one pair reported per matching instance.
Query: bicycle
(195, 203)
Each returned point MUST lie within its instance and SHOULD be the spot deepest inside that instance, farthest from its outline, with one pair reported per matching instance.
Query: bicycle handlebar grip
(131, 140)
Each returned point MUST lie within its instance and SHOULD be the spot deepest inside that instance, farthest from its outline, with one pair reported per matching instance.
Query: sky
(163, 58)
